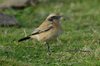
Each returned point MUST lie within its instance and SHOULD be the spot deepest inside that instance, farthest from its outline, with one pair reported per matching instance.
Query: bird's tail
(25, 38)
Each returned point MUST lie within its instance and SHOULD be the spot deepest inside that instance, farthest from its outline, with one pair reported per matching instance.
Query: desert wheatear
(50, 29)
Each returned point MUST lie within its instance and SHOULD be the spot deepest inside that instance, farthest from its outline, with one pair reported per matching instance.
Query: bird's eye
(52, 18)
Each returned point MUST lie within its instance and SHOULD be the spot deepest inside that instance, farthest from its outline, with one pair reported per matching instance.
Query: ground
(79, 45)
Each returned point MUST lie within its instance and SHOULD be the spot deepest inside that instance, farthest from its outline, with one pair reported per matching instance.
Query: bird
(49, 30)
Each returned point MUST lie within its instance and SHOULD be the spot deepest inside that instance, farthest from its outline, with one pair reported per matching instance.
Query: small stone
(8, 20)
(17, 3)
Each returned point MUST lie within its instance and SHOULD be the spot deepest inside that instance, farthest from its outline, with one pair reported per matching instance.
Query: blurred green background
(79, 45)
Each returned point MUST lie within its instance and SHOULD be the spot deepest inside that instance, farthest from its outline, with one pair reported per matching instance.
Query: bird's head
(54, 17)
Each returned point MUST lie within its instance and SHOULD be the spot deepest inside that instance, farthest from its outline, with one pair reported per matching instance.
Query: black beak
(57, 17)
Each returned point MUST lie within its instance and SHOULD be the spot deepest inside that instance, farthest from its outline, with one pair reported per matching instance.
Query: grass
(78, 45)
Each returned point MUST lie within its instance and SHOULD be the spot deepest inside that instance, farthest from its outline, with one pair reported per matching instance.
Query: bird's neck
(57, 23)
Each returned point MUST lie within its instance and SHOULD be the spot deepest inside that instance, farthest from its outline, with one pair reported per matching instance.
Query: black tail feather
(25, 38)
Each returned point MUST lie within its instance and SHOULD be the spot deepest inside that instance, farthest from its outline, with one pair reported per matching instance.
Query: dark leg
(48, 48)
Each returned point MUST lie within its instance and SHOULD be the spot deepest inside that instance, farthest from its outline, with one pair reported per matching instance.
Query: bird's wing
(38, 31)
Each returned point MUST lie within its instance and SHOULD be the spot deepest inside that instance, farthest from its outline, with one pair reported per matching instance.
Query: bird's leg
(48, 48)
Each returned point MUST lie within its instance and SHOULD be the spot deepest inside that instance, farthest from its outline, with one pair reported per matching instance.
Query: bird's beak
(60, 17)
